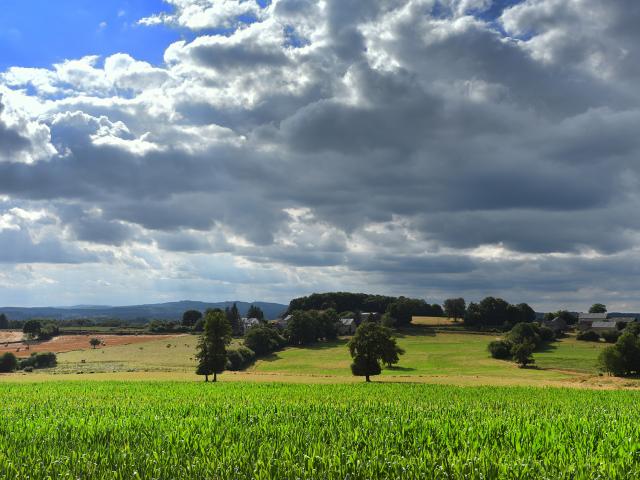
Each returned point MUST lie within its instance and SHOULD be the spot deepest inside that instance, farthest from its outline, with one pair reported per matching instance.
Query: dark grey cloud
(388, 145)
(11, 141)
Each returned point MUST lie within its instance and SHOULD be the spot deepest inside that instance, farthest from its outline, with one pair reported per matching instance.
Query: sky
(234, 149)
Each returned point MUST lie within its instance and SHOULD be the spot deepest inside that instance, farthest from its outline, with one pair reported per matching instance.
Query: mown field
(169, 430)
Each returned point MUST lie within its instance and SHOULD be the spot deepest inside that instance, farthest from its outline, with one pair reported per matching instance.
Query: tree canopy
(31, 328)
(234, 319)
(255, 312)
(212, 346)
(191, 317)
(495, 312)
(455, 308)
(371, 345)
(4, 322)
(598, 308)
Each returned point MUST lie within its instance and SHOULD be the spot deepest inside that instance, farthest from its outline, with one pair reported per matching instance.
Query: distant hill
(135, 313)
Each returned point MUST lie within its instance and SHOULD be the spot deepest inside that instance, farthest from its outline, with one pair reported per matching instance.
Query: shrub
(546, 334)
(240, 358)
(500, 349)
(611, 336)
(588, 336)
(8, 362)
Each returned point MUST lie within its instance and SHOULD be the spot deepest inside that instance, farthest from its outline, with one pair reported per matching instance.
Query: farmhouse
(373, 316)
(603, 326)
(347, 326)
(586, 320)
(247, 323)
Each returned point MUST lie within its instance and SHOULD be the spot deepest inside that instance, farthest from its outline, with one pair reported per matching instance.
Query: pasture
(446, 357)
(169, 430)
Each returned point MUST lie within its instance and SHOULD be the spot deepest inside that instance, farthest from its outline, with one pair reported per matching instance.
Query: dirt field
(69, 343)
(10, 336)
(435, 321)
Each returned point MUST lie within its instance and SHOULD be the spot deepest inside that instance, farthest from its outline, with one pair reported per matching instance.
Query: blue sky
(38, 33)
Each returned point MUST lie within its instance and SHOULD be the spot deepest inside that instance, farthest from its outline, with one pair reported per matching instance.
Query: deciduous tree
(212, 346)
(371, 344)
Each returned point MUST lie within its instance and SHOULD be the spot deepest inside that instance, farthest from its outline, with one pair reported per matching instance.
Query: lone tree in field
(598, 308)
(4, 322)
(371, 345)
(212, 346)
(94, 342)
(191, 317)
(455, 308)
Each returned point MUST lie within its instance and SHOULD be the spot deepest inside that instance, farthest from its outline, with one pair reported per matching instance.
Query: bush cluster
(521, 342)
(8, 363)
(623, 358)
(39, 360)
(263, 340)
(588, 336)
(240, 358)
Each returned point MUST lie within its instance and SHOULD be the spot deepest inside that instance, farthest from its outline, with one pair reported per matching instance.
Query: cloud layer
(425, 147)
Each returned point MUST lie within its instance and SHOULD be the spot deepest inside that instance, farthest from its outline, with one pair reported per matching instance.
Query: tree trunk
(206, 378)
(368, 379)
(215, 377)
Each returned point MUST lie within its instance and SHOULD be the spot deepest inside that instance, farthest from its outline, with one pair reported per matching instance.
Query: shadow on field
(415, 331)
(546, 347)
(397, 368)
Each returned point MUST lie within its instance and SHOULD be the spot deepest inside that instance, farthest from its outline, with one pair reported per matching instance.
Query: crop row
(178, 430)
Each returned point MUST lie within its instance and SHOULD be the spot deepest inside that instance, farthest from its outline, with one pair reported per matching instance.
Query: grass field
(461, 358)
(168, 430)
(457, 358)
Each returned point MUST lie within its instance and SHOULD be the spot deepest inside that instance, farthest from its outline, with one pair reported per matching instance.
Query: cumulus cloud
(423, 147)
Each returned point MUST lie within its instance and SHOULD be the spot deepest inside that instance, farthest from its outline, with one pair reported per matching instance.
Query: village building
(347, 326)
(586, 320)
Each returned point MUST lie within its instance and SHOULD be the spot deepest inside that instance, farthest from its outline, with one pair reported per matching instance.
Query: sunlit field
(111, 430)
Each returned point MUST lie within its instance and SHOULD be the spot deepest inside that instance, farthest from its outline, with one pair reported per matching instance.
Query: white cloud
(341, 144)
(204, 14)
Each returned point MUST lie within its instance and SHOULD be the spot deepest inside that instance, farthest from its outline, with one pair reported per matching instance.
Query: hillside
(135, 313)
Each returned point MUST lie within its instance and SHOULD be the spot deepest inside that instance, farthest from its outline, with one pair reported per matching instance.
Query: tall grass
(264, 431)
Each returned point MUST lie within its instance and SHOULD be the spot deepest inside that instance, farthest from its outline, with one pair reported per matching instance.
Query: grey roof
(347, 321)
(604, 325)
(592, 316)
(623, 319)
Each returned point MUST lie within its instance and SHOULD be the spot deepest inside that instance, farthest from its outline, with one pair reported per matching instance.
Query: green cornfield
(172, 430)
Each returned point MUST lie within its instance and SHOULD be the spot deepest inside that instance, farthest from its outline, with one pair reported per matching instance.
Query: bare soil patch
(69, 343)
(10, 336)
